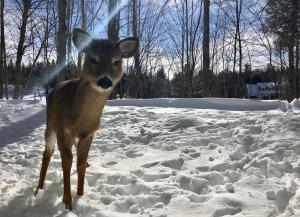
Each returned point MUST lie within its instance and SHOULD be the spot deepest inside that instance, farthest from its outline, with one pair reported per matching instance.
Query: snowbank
(296, 104)
(206, 103)
(174, 162)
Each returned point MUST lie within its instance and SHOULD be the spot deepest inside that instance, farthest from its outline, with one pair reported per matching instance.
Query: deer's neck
(92, 100)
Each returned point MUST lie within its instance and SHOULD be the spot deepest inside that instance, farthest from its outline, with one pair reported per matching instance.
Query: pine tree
(283, 21)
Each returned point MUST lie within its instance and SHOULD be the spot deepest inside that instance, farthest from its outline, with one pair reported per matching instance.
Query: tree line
(189, 48)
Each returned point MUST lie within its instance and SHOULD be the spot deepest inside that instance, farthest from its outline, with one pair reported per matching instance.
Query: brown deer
(74, 107)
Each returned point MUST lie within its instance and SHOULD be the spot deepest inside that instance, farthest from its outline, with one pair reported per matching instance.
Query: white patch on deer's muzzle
(51, 141)
(102, 90)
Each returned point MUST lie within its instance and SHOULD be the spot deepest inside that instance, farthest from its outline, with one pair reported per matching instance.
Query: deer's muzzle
(104, 82)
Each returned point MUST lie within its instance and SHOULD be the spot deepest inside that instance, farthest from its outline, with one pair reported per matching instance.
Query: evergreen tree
(283, 21)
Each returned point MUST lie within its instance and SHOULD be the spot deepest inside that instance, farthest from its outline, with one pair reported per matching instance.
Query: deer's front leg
(83, 148)
(64, 142)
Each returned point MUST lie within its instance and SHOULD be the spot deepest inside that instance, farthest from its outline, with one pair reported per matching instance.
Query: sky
(257, 52)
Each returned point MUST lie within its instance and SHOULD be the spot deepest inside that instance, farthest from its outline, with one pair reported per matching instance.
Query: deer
(74, 107)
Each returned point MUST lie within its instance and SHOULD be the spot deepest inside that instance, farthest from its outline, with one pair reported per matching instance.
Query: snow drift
(161, 157)
(230, 104)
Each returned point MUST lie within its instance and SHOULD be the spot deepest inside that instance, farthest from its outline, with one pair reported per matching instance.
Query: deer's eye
(94, 60)
(117, 63)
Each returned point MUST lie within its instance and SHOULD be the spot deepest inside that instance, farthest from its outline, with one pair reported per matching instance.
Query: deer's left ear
(128, 46)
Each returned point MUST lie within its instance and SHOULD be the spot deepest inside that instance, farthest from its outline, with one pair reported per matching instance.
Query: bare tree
(237, 42)
(114, 23)
(21, 48)
(185, 35)
(1, 50)
(113, 31)
(3, 71)
(297, 65)
(138, 79)
(206, 72)
(200, 54)
(38, 38)
(62, 38)
(47, 33)
(83, 26)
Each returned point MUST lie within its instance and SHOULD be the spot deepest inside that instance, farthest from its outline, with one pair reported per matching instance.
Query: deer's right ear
(81, 39)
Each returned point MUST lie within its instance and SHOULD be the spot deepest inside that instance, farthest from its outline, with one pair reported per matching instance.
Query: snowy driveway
(151, 161)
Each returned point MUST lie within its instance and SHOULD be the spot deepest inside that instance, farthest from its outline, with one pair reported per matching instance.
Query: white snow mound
(231, 104)
(162, 157)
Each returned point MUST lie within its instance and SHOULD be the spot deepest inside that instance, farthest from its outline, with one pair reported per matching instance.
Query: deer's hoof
(79, 193)
(37, 190)
(67, 200)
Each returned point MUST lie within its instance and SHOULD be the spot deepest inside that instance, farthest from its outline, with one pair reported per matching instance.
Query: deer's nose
(104, 82)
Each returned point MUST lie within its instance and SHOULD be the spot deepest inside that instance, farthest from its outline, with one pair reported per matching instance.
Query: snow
(161, 157)
(296, 104)
(206, 103)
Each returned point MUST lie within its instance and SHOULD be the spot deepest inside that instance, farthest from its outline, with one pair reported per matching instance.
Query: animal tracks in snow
(173, 162)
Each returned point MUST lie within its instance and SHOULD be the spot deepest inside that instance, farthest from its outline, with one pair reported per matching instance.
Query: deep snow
(163, 157)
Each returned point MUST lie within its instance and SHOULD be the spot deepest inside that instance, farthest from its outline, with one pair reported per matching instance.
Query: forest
(188, 48)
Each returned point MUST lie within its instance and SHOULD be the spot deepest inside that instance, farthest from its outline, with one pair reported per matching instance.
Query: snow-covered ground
(164, 157)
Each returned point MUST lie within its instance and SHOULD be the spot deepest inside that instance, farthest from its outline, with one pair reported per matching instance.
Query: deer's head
(102, 65)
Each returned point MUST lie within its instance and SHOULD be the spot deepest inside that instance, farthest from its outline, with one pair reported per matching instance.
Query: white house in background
(264, 90)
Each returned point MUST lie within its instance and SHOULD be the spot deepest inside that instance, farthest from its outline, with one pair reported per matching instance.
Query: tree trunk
(239, 90)
(1, 50)
(3, 68)
(297, 66)
(114, 23)
(20, 49)
(206, 80)
(237, 40)
(83, 26)
(46, 60)
(291, 71)
(69, 13)
(296, 19)
(182, 55)
(187, 55)
(138, 80)
(61, 39)
(113, 34)
(292, 74)
(283, 80)
(239, 36)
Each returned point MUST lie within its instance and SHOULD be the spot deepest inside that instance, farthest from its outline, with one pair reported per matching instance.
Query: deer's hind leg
(50, 139)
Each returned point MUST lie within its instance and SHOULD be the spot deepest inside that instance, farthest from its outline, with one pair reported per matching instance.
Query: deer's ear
(128, 46)
(81, 38)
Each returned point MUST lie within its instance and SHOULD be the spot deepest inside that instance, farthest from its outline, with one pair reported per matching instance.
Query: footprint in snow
(231, 208)
(110, 163)
(228, 210)
(133, 154)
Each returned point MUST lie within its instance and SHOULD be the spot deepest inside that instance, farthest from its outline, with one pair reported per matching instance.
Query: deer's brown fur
(74, 107)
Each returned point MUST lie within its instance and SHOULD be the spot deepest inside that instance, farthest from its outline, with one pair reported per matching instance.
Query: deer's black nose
(104, 82)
